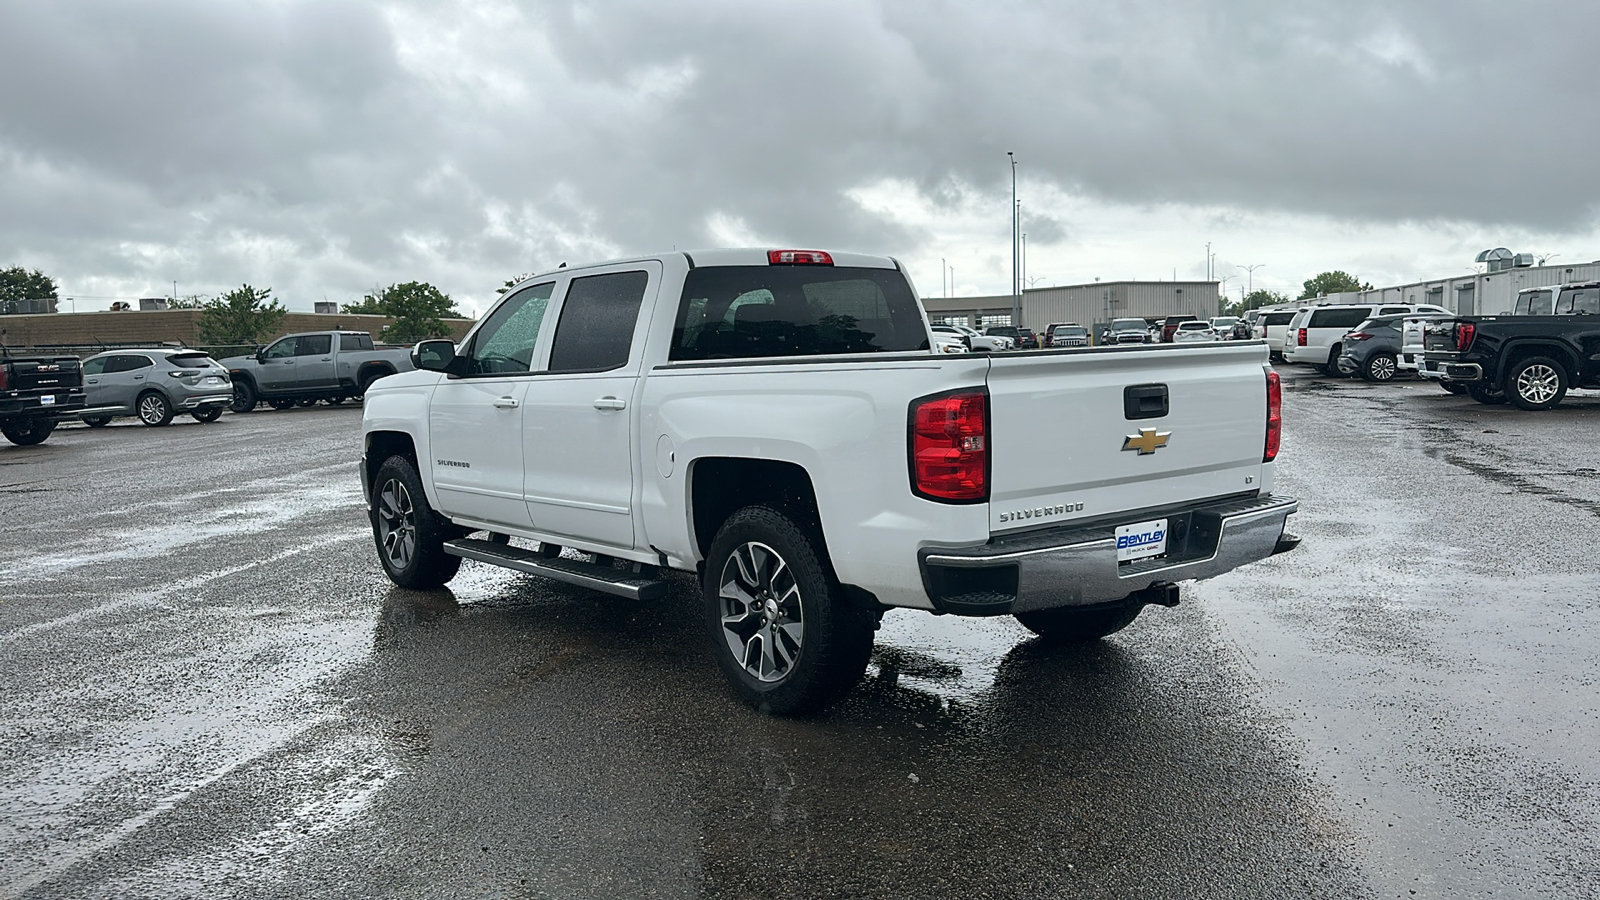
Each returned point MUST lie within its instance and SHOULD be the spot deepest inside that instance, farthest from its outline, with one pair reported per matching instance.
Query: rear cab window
(191, 361)
(355, 342)
(754, 312)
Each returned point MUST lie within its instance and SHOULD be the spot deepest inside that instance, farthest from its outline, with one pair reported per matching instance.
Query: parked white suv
(1270, 326)
(1315, 334)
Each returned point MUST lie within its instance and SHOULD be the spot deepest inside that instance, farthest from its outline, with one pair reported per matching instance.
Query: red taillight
(1465, 332)
(5, 376)
(1274, 416)
(1358, 336)
(950, 446)
(799, 258)
(1300, 339)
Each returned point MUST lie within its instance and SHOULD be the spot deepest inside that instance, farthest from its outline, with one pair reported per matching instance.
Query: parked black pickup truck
(35, 392)
(1529, 360)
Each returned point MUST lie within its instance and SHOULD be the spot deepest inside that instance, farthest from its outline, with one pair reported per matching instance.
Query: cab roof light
(798, 258)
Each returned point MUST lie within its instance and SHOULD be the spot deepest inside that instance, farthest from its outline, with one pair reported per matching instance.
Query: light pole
(944, 286)
(1024, 283)
(1208, 260)
(1251, 277)
(1222, 291)
(1016, 285)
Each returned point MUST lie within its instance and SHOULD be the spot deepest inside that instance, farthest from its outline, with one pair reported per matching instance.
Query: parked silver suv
(154, 385)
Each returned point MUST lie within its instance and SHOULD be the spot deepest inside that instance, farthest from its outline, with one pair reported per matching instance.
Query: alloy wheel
(1383, 368)
(397, 524)
(1538, 383)
(152, 409)
(762, 619)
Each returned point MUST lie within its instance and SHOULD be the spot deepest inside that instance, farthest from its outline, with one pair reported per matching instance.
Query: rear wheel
(1486, 396)
(1075, 625)
(28, 431)
(409, 535)
(97, 421)
(784, 633)
(244, 397)
(1536, 383)
(207, 413)
(1380, 367)
(154, 410)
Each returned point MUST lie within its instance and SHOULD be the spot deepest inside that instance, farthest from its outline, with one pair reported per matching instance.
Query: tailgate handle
(1144, 401)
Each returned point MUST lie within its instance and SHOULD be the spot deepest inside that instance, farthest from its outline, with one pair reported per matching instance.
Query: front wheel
(784, 633)
(1536, 383)
(1074, 625)
(154, 410)
(28, 431)
(409, 535)
(207, 413)
(244, 397)
(1380, 367)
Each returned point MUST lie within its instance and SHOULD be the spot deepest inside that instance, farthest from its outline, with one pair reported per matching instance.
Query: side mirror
(261, 355)
(435, 356)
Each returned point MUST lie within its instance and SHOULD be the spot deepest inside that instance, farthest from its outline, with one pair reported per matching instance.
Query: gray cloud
(323, 147)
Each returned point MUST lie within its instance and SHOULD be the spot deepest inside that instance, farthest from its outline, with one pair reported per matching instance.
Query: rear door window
(1338, 318)
(595, 332)
(315, 345)
(749, 312)
(1581, 302)
(1533, 303)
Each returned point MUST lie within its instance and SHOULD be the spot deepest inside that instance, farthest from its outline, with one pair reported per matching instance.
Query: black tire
(1536, 383)
(207, 413)
(370, 376)
(281, 404)
(1486, 396)
(97, 421)
(409, 535)
(783, 631)
(1452, 387)
(1380, 368)
(153, 409)
(244, 397)
(1077, 625)
(1331, 368)
(26, 432)
(335, 401)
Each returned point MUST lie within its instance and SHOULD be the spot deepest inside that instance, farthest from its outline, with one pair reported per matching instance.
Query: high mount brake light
(798, 258)
(1301, 339)
(950, 447)
(1274, 416)
(1465, 332)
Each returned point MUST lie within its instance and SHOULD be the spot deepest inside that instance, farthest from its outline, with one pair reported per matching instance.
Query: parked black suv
(35, 392)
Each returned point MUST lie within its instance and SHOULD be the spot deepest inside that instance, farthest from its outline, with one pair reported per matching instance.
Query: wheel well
(372, 371)
(1520, 352)
(720, 486)
(383, 444)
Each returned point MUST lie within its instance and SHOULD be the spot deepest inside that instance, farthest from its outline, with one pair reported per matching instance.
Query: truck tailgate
(1068, 440)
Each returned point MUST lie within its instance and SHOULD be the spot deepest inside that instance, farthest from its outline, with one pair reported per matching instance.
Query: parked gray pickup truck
(304, 368)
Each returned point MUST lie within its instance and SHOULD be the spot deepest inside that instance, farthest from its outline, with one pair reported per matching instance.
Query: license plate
(47, 400)
(1141, 540)
(212, 379)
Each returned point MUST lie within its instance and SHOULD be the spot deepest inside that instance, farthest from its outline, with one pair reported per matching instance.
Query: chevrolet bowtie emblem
(1147, 441)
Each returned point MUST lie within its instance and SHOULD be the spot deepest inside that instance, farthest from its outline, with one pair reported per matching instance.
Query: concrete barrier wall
(153, 327)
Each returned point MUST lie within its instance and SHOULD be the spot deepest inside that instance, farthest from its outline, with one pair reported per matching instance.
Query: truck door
(279, 367)
(578, 428)
(475, 419)
(314, 361)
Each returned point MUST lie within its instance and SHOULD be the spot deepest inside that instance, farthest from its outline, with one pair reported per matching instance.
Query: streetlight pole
(1251, 279)
(1016, 286)
(944, 286)
(1024, 283)
(1208, 260)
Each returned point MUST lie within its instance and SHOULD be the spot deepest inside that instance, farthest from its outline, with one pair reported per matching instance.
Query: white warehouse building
(1481, 294)
(1092, 305)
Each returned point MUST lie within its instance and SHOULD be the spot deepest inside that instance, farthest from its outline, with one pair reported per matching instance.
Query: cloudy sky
(326, 146)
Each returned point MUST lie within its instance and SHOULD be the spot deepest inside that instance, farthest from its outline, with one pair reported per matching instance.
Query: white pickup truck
(775, 422)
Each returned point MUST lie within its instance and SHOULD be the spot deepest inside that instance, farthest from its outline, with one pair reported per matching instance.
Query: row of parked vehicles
(1529, 356)
(158, 384)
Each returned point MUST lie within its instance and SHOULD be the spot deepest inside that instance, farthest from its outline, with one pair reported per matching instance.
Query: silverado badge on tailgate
(1147, 441)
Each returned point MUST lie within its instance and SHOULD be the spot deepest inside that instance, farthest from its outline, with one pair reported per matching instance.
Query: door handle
(138, 378)
(505, 403)
(94, 381)
(327, 359)
(610, 403)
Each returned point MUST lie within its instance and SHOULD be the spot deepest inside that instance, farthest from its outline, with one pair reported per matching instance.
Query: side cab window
(506, 342)
(315, 345)
(598, 317)
(283, 349)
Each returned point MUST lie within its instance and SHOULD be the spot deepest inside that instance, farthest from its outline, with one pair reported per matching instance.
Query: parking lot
(212, 690)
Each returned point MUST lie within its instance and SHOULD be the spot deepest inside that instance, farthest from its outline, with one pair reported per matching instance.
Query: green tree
(512, 282)
(245, 315)
(193, 301)
(418, 308)
(1335, 282)
(17, 283)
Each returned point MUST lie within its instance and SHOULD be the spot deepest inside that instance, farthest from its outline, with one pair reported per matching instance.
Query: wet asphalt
(210, 690)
